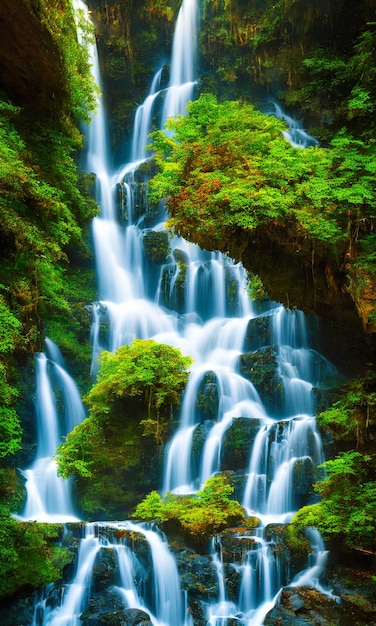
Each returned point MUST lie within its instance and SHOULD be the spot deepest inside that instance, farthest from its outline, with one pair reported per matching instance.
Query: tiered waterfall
(201, 306)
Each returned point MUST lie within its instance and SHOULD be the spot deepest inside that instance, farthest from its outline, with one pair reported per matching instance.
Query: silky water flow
(213, 324)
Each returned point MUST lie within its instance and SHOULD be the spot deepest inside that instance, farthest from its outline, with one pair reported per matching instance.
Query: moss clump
(114, 452)
(198, 517)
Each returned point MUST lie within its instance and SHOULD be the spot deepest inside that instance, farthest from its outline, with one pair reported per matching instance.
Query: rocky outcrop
(31, 69)
(298, 276)
(108, 610)
(305, 606)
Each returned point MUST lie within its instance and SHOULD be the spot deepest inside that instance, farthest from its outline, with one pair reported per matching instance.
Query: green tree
(130, 405)
(30, 555)
(346, 513)
(227, 173)
(151, 371)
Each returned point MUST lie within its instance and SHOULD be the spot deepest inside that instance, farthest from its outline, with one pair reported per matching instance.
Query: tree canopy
(226, 166)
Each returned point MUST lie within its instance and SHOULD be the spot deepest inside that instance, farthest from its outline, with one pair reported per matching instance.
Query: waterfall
(296, 135)
(68, 613)
(48, 497)
(196, 301)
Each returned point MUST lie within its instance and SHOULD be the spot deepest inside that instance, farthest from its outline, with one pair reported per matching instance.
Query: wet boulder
(198, 575)
(261, 369)
(259, 333)
(305, 606)
(173, 282)
(116, 616)
(207, 402)
(107, 609)
(291, 555)
(237, 443)
(156, 245)
(104, 570)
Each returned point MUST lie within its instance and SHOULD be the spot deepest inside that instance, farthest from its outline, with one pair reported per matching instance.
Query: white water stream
(210, 318)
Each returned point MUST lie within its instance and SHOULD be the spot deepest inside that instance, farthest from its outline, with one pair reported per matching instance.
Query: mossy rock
(173, 282)
(261, 369)
(156, 245)
(108, 610)
(235, 542)
(259, 333)
(292, 552)
(237, 443)
(207, 402)
(303, 476)
(197, 575)
(305, 606)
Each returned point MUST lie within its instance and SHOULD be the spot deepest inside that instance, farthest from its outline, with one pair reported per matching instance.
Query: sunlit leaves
(227, 166)
(144, 368)
(30, 555)
(199, 516)
(346, 512)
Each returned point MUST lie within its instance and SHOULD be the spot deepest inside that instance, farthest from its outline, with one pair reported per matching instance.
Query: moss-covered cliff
(46, 91)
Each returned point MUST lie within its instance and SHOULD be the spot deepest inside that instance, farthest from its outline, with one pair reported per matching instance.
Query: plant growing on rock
(198, 517)
(345, 515)
(114, 451)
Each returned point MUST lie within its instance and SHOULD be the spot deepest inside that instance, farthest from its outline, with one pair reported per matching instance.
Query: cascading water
(48, 497)
(296, 135)
(196, 301)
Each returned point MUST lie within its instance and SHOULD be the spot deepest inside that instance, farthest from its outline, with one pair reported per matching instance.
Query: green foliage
(156, 372)
(199, 516)
(346, 512)
(157, 245)
(353, 416)
(29, 555)
(255, 288)
(59, 20)
(45, 208)
(42, 213)
(227, 167)
(10, 429)
(10, 328)
(133, 396)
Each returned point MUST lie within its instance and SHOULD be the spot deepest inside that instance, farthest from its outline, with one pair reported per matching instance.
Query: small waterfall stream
(48, 497)
(200, 306)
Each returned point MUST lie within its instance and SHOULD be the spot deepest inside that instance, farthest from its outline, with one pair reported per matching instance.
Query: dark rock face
(31, 70)
(18, 613)
(237, 442)
(286, 271)
(301, 606)
(261, 369)
(112, 613)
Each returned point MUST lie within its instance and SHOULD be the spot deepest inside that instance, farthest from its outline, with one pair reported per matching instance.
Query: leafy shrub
(198, 516)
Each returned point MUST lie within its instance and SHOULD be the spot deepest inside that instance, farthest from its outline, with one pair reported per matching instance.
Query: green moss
(198, 517)
(261, 368)
(156, 245)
